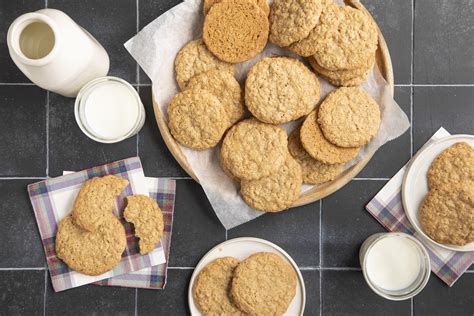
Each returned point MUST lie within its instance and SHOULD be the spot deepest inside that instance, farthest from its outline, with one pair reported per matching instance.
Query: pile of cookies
(262, 284)
(256, 151)
(91, 239)
(447, 212)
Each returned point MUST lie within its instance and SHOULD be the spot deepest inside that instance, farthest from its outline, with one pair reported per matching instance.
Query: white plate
(415, 183)
(241, 248)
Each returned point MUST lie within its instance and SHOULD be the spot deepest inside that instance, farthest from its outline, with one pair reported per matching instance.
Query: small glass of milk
(109, 110)
(395, 265)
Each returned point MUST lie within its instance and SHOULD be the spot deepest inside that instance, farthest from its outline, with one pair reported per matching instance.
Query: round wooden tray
(385, 65)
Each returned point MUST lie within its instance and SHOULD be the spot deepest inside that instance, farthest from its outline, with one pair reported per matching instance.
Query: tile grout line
(411, 121)
(45, 291)
(25, 269)
(136, 301)
(412, 73)
(320, 257)
(411, 306)
(138, 134)
(23, 178)
(370, 179)
(137, 5)
(181, 268)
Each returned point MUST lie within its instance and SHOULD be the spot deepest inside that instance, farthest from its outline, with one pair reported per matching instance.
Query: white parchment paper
(155, 48)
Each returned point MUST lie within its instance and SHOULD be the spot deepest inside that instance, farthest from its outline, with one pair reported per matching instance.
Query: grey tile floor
(432, 50)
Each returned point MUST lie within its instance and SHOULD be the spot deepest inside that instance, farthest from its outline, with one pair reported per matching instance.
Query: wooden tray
(385, 65)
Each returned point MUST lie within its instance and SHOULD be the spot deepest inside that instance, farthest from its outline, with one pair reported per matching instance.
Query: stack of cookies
(447, 212)
(262, 284)
(91, 239)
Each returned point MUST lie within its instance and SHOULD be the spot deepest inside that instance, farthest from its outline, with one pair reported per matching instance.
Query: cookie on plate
(447, 214)
(264, 284)
(314, 171)
(345, 77)
(235, 30)
(96, 200)
(193, 59)
(349, 117)
(277, 191)
(252, 149)
(262, 4)
(147, 219)
(453, 166)
(91, 253)
(346, 38)
(292, 20)
(318, 147)
(197, 119)
(212, 287)
(225, 87)
(280, 89)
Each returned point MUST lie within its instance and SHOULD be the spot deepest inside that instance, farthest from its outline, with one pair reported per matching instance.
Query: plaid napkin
(52, 199)
(387, 208)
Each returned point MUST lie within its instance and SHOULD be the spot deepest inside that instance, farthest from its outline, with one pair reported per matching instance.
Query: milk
(393, 263)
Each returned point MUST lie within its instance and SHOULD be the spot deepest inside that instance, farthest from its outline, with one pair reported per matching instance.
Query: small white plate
(241, 248)
(415, 183)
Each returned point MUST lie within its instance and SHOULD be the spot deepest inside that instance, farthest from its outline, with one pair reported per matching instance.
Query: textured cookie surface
(91, 253)
(212, 288)
(346, 38)
(252, 149)
(197, 119)
(193, 59)
(96, 200)
(263, 284)
(447, 214)
(147, 219)
(314, 171)
(345, 78)
(292, 20)
(318, 147)
(225, 87)
(275, 192)
(235, 30)
(453, 166)
(262, 4)
(280, 89)
(349, 117)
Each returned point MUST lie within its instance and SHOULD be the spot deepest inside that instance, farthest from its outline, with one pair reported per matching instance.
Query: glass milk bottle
(54, 52)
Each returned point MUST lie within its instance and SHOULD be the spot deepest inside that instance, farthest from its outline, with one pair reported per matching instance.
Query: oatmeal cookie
(344, 78)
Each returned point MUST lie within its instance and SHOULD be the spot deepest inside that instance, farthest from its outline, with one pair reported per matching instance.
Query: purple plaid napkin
(387, 208)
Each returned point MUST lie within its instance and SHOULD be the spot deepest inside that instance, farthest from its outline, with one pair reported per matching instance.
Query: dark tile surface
(444, 44)
(23, 131)
(21, 292)
(20, 245)
(171, 301)
(392, 156)
(448, 107)
(311, 282)
(90, 300)
(395, 21)
(346, 223)
(296, 231)
(346, 293)
(437, 299)
(196, 228)
(8, 13)
(70, 149)
(112, 23)
(156, 157)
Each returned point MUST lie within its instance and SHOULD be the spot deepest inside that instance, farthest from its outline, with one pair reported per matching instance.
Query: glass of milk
(109, 110)
(396, 266)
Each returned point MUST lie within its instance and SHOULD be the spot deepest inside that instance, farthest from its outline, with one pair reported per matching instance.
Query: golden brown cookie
(344, 78)
(345, 38)
(96, 200)
(292, 20)
(262, 4)
(280, 89)
(212, 287)
(349, 117)
(453, 166)
(275, 192)
(193, 59)
(447, 214)
(147, 219)
(235, 30)
(252, 149)
(314, 171)
(225, 87)
(91, 253)
(227, 171)
(318, 147)
(263, 284)
(197, 119)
